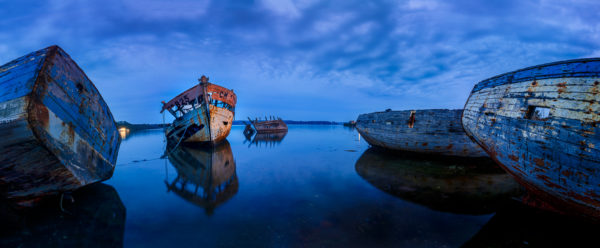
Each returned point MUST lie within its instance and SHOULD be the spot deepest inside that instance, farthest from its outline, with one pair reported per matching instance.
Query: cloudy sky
(304, 59)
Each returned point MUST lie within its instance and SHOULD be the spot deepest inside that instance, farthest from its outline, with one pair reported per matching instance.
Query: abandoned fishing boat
(541, 125)
(269, 125)
(203, 113)
(432, 131)
(206, 176)
(56, 132)
(455, 186)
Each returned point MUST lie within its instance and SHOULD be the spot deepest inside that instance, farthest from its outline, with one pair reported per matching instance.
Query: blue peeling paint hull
(56, 132)
(431, 131)
(555, 155)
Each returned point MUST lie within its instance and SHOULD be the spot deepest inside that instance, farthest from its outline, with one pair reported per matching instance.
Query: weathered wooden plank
(57, 133)
(435, 131)
(555, 155)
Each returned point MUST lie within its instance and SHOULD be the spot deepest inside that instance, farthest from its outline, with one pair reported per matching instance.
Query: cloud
(297, 57)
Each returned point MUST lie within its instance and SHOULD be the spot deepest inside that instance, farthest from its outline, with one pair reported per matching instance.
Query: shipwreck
(56, 132)
(431, 131)
(541, 125)
(203, 113)
(269, 125)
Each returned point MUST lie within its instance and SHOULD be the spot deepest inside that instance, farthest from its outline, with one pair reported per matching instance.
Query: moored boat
(269, 125)
(541, 125)
(432, 131)
(203, 113)
(56, 132)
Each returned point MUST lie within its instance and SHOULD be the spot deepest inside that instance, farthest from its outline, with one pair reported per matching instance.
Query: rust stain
(584, 198)
(562, 87)
(548, 182)
(71, 133)
(539, 162)
(567, 173)
(513, 158)
(411, 119)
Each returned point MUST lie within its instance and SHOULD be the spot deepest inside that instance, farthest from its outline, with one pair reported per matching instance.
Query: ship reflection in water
(95, 218)
(462, 186)
(265, 139)
(474, 187)
(205, 175)
(124, 132)
(515, 225)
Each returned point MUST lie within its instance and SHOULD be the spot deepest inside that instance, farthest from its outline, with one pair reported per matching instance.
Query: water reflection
(461, 186)
(265, 139)
(124, 132)
(206, 176)
(515, 225)
(95, 218)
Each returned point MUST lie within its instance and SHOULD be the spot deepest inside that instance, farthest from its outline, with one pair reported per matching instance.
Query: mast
(203, 86)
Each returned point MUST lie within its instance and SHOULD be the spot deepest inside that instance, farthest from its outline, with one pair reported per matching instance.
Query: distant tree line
(241, 122)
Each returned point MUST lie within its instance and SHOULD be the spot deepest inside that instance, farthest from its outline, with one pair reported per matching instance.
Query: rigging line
(139, 161)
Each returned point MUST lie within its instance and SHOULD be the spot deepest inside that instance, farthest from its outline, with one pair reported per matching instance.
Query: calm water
(317, 186)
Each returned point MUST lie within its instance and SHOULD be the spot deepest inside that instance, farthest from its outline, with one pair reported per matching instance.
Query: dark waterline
(315, 186)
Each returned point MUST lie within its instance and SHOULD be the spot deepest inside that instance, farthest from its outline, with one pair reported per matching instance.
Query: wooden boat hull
(204, 129)
(432, 131)
(463, 186)
(56, 132)
(209, 118)
(541, 125)
(270, 126)
(206, 176)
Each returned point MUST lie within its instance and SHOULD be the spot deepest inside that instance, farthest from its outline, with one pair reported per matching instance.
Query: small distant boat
(56, 132)
(203, 113)
(432, 131)
(269, 125)
(350, 124)
(206, 176)
(541, 124)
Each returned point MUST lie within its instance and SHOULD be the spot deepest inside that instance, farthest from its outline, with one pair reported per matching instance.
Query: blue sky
(301, 60)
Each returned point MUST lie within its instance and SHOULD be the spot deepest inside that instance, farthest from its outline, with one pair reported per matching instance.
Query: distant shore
(134, 127)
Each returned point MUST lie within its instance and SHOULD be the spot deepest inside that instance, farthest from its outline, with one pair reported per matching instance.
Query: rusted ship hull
(431, 131)
(203, 113)
(541, 125)
(206, 176)
(269, 126)
(56, 132)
